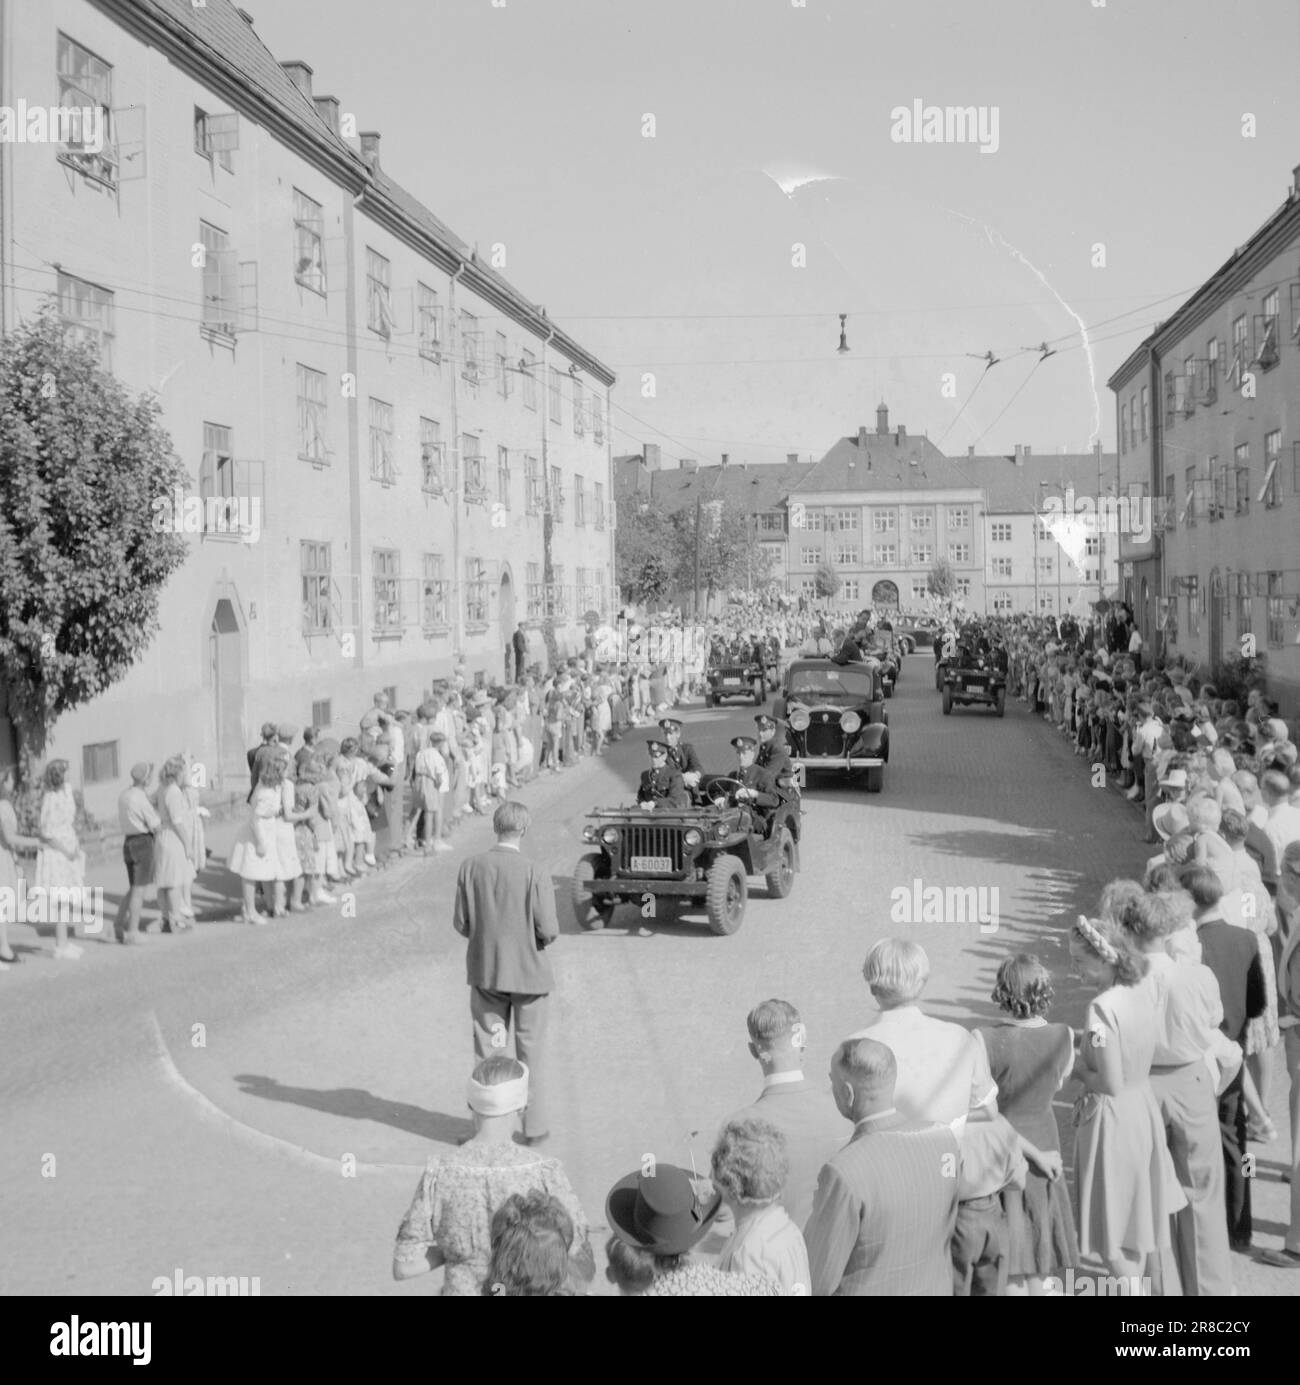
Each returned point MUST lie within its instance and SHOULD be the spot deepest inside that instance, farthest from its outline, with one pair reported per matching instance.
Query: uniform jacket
(884, 1212)
(663, 786)
(505, 906)
(755, 777)
(774, 756)
(685, 758)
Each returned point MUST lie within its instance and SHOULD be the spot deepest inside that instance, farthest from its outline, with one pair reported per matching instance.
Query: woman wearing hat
(60, 862)
(449, 1221)
(658, 1215)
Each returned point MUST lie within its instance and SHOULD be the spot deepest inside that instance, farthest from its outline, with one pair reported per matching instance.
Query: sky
(1121, 179)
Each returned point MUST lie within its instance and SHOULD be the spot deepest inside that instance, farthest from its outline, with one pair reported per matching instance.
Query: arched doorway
(884, 593)
(507, 620)
(226, 670)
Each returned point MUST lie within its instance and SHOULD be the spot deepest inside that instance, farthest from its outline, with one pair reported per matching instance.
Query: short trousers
(137, 856)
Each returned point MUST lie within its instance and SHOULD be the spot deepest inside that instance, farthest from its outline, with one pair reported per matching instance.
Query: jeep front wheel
(591, 913)
(728, 890)
(947, 701)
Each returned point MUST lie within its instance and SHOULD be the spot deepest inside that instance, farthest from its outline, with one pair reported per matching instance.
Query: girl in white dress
(60, 862)
(253, 856)
(174, 840)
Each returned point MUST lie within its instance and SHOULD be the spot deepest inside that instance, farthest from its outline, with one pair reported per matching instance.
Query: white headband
(501, 1098)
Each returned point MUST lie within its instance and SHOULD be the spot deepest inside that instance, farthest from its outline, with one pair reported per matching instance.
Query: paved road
(259, 1102)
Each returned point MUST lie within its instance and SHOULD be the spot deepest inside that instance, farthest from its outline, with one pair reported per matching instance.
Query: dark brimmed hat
(652, 746)
(660, 1212)
(744, 743)
(670, 724)
(765, 722)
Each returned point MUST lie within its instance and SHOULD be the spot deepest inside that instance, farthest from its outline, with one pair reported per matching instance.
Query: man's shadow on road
(355, 1104)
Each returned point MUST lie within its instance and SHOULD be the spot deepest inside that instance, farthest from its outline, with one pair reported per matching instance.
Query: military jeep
(972, 678)
(748, 680)
(685, 855)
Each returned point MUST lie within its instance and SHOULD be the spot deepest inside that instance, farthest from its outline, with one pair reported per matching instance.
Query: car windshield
(808, 684)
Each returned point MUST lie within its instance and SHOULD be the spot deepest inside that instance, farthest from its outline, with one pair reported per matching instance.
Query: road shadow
(354, 1103)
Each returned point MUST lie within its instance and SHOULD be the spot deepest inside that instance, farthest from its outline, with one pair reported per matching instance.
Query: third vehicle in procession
(835, 717)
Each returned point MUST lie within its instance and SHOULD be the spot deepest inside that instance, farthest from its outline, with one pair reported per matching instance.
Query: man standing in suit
(802, 1110)
(681, 753)
(1232, 954)
(886, 1204)
(662, 782)
(506, 908)
(519, 643)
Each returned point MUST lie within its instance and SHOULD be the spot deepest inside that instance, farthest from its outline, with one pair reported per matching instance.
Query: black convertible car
(835, 717)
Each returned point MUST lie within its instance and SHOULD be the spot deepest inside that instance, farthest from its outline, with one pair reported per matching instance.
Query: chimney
(651, 454)
(327, 107)
(791, 459)
(246, 17)
(1027, 451)
(1295, 184)
(882, 419)
(370, 147)
(725, 459)
(862, 436)
(299, 74)
(902, 434)
(1020, 455)
(688, 464)
(970, 451)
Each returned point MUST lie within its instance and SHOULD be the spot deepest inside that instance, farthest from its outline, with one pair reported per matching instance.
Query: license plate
(652, 863)
(732, 683)
(974, 687)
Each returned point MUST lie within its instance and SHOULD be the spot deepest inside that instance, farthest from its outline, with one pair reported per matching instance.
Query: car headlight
(693, 836)
(799, 719)
(609, 836)
(850, 722)
(588, 833)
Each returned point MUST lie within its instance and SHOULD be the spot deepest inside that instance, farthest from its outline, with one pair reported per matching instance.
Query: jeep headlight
(850, 722)
(719, 830)
(693, 836)
(799, 719)
(609, 836)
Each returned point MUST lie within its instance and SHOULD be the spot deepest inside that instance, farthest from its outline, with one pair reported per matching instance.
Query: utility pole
(695, 606)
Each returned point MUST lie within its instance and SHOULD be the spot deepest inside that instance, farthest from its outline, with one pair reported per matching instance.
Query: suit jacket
(814, 1131)
(685, 758)
(663, 786)
(1232, 954)
(885, 1210)
(505, 906)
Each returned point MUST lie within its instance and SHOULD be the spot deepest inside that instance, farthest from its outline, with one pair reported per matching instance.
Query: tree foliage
(81, 566)
(827, 580)
(941, 580)
(646, 545)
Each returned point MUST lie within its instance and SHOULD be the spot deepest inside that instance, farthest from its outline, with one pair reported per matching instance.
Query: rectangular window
(578, 409)
(959, 553)
(311, 415)
(428, 322)
(1245, 606)
(599, 504)
(1215, 490)
(220, 282)
(308, 242)
(503, 477)
(1277, 604)
(1146, 408)
(846, 521)
(963, 586)
(216, 137)
(386, 588)
(1193, 497)
(920, 590)
(86, 83)
(1210, 381)
(534, 498)
(433, 471)
(808, 587)
(1270, 492)
(379, 294)
(1001, 601)
(217, 480)
(771, 523)
(845, 554)
(530, 379)
(557, 595)
(1132, 420)
(1266, 330)
(314, 563)
(884, 555)
(86, 310)
(321, 714)
(923, 554)
(850, 590)
(814, 521)
(533, 590)
(1000, 532)
(557, 415)
(1123, 428)
(1241, 458)
(381, 442)
(597, 418)
(1002, 567)
(884, 521)
(579, 500)
(810, 557)
(1171, 407)
(471, 348)
(1239, 350)
(557, 496)
(1091, 548)
(475, 470)
(959, 517)
(99, 763)
(1189, 382)
(434, 593)
(922, 521)
(1192, 586)
(1046, 566)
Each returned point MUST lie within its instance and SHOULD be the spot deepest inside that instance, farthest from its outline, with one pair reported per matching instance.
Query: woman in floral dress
(60, 862)
(173, 842)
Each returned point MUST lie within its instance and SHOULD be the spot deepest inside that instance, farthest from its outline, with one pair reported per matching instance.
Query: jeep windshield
(835, 681)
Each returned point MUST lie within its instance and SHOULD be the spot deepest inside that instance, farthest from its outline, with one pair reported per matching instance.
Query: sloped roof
(753, 488)
(1012, 489)
(887, 462)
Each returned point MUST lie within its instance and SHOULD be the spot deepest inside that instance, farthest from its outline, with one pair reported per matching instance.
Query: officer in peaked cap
(681, 753)
(662, 782)
(773, 755)
(757, 788)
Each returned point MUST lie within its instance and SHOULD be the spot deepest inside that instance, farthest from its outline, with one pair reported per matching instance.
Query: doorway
(506, 620)
(226, 661)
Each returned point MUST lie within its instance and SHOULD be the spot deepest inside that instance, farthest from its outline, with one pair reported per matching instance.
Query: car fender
(873, 736)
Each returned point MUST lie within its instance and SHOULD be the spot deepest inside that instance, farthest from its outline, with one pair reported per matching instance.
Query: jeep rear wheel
(1001, 704)
(728, 890)
(591, 913)
(781, 880)
(875, 778)
(947, 701)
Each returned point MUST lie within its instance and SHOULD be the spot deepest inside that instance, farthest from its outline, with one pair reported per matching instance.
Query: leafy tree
(941, 580)
(646, 554)
(81, 564)
(827, 580)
